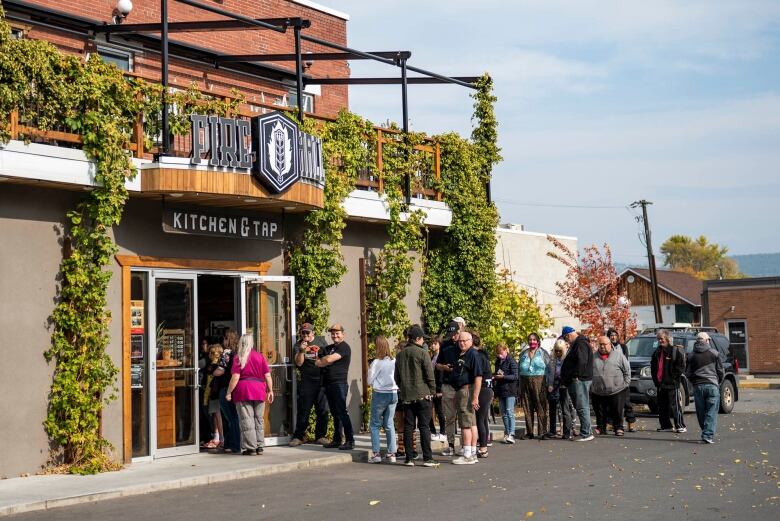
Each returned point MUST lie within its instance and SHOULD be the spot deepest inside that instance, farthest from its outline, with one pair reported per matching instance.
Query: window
(16, 33)
(308, 100)
(122, 59)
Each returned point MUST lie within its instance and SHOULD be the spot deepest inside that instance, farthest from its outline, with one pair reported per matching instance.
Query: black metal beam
(466, 80)
(405, 115)
(298, 72)
(166, 136)
(201, 26)
(312, 56)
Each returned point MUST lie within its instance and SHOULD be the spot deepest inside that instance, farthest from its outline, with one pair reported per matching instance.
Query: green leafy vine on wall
(94, 100)
(460, 277)
(392, 271)
(316, 260)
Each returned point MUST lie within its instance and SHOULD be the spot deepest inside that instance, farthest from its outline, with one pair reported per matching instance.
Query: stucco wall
(31, 223)
(525, 255)
(31, 220)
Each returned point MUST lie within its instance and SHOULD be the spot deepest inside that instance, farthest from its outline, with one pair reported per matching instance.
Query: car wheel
(726, 397)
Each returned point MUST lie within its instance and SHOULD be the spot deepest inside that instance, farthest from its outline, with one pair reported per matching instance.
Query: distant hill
(759, 264)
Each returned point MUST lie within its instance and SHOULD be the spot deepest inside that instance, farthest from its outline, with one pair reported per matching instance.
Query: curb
(747, 384)
(175, 484)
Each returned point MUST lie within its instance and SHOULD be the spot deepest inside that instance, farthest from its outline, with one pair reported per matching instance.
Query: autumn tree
(514, 314)
(591, 290)
(699, 257)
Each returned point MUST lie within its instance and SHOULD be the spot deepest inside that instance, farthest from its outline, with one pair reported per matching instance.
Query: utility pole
(650, 260)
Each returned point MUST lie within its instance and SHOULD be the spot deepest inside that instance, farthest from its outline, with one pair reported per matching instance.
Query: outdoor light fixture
(121, 11)
(308, 63)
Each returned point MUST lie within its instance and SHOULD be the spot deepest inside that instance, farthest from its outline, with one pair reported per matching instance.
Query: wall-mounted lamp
(307, 64)
(121, 11)
(733, 308)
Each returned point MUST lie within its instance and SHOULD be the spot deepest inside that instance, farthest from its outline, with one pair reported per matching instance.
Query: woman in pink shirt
(250, 386)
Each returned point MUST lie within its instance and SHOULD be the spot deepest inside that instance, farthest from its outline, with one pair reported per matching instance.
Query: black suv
(641, 348)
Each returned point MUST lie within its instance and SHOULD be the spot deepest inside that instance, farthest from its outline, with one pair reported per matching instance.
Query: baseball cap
(453, 327)
(566, 330)
(306, 327)
(415, 332)
(336, 327)
(460, 320)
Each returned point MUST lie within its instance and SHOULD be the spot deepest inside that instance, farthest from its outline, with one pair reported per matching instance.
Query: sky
(602, 103)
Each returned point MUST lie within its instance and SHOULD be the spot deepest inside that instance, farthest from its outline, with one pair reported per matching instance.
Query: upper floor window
(308, 100)
(17, 34)
(122, 59)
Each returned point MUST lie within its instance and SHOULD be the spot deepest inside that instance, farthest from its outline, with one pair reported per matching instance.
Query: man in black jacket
(628, 409)
(667, 366)
(576, 375)
(705, 372)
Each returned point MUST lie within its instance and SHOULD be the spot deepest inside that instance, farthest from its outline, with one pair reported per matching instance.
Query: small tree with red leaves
(591, 290)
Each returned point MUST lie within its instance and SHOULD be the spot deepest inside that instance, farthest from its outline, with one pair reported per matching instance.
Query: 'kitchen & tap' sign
(271, 145)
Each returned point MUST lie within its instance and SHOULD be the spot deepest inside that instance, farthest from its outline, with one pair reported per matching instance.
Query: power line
(551, 205)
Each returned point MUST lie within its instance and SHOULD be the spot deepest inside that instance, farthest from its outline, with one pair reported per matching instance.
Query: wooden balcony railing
(370, 177)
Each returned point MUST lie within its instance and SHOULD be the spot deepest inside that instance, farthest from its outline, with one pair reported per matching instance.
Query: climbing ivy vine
(316, 260)
(392, 271)
(94, 100)
(460, 277)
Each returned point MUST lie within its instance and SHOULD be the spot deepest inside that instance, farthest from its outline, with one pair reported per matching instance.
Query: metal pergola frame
(235, 21)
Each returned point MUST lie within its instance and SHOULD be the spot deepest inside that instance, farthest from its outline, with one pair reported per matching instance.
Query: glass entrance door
(174, 366)
(268, 311)
(736, 330)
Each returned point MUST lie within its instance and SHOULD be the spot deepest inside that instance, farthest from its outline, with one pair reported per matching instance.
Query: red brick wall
(324, 26)
(760, 308)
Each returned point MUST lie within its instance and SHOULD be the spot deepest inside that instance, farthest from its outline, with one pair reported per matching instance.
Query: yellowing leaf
(374, 502)
(529, 515)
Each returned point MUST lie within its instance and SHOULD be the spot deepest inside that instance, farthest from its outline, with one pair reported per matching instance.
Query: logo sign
(285, 154)
(271, 145)
(236, 225)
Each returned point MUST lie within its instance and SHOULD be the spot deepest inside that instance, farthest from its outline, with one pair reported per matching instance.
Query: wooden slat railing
(371, 178)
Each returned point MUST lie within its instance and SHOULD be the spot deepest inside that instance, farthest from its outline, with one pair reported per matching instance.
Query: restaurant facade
(201, 244)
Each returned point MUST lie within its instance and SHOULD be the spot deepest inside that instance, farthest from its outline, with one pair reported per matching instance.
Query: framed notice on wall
(137, 376)
(137, 345)
(137, 314)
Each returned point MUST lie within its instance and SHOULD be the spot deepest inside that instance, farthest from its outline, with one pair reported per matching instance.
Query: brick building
(747, 311)
(172, 288)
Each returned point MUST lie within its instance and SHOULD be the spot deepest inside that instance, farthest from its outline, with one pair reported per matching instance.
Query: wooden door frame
(130, 262)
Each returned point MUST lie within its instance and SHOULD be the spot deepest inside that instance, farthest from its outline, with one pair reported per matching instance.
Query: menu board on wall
(172, 342)
(137, 376)
(136, 345)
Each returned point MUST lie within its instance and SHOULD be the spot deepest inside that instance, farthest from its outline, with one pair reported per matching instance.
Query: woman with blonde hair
(384, 398)
(250, 387)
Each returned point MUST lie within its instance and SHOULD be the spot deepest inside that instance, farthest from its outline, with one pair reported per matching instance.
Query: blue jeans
(579, 391)
(382, 413)
(506, 404)
(707, 400)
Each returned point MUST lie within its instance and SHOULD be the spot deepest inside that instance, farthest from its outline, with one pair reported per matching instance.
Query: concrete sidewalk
(43, 492)
(759, 383)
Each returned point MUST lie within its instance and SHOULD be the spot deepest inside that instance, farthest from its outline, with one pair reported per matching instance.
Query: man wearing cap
(445, 363)
(335, 364)
(416, 387)
(466, 378)
(310, 390)
(577, 375)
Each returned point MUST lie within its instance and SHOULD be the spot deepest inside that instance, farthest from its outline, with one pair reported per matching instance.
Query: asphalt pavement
(645, 475)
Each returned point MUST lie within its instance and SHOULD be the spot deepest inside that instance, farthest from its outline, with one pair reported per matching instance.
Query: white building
(524, 254)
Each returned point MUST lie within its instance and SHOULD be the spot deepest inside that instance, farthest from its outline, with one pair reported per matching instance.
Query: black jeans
(311, 394)
(564, 403)
(609, 409)
(337, 401)
(483, 415)
(418, 413)
(438, 411)
(628, 408)
(669, 408)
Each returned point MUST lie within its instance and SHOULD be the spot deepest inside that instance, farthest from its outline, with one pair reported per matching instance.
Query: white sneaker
(584, 438)
(460, 451)
(509, 439)
(390, 458)
(463, 460)
(448, 452)
(409, 463)
(376, 458)
(681, 430)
